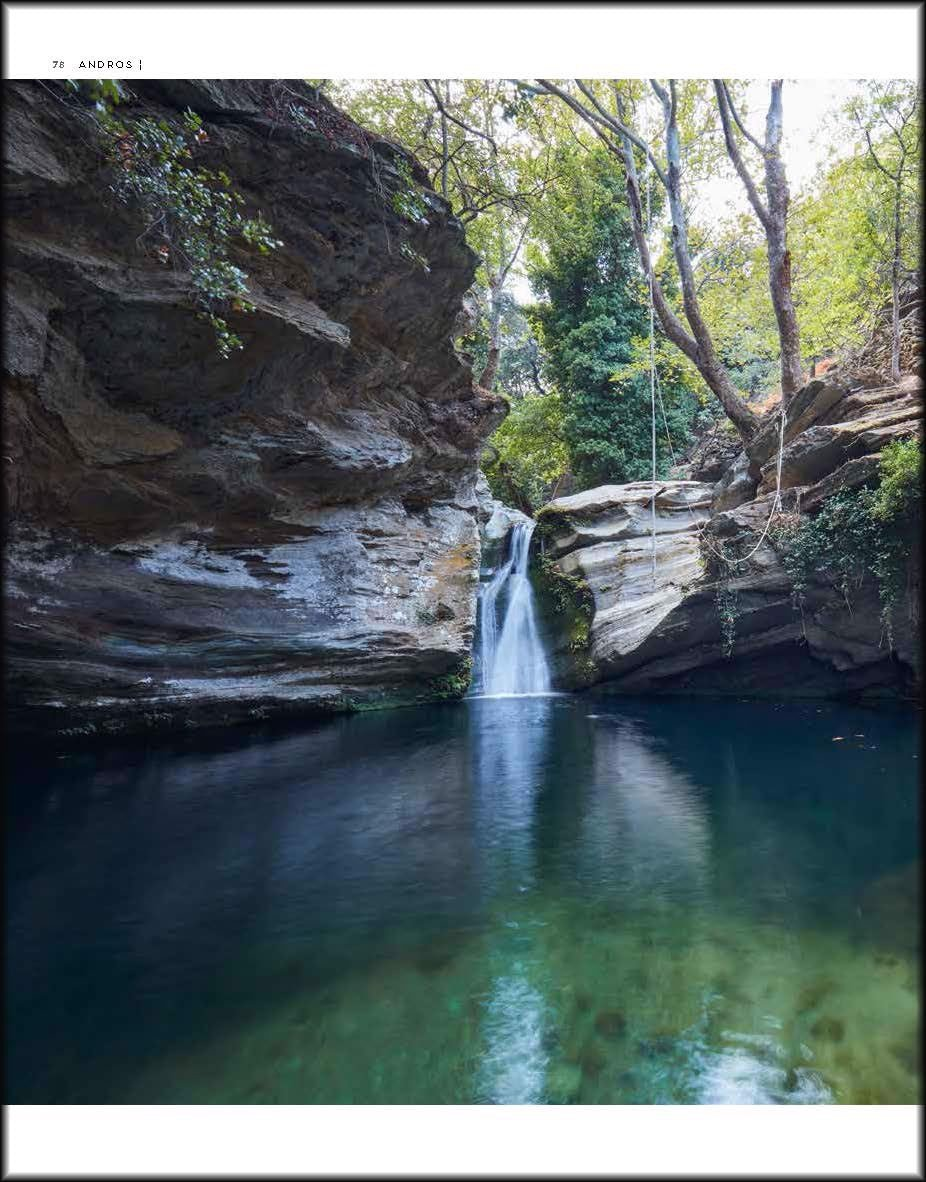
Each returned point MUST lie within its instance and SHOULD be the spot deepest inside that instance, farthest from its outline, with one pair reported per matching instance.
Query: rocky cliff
(692, 623)
(197, 539)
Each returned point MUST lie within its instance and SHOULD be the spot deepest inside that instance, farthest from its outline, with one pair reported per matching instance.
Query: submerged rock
(610, 1024)
(563, 1082)
(828, 1028)
(195, 539)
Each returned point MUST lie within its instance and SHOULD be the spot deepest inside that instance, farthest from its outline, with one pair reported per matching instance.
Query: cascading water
(510, 658)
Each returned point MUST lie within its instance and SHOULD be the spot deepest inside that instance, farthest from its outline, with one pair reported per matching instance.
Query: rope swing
(654, 385)
(652, 364)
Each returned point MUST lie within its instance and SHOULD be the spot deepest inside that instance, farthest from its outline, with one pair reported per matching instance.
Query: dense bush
(527, 454)
(861, 533)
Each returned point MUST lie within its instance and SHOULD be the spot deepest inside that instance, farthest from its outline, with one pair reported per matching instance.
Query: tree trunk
(773, 216)
(895, 286)
(779, 276)
(697, 345)
(779, 257)
(704, 356)
(487, 377)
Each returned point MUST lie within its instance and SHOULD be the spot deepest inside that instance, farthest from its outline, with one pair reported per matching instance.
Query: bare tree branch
(615, 124)
(453, 118)
(739, 123)
(720, 89)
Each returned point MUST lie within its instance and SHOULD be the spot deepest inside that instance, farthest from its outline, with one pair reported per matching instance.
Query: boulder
(698, 623)
(736, 486)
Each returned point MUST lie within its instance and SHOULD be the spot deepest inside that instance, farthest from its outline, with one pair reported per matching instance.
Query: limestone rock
(664, 633)
(601, 541)
(737, 485)
(195, 539)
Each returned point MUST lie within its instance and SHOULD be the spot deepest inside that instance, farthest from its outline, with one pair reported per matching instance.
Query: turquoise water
(562, 899)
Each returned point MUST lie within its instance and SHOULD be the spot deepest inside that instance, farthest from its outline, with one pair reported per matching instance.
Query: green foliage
(407, 200)
(568, 594)
(528, 451)
(194, 216)
(839, 235)
(897, 498)
(102, 92)
(859, 534)
(593, 323)
(453, 684)
(727, 601)
(721, 557)
(567, 603)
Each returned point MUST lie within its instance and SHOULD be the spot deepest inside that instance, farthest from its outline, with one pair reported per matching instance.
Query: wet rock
(592, 1060)
(610, 1024)
(908, 1054)
(433, 962)
(653, 1048)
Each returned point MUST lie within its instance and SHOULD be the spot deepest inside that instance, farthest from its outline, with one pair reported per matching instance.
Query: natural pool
(560, 899)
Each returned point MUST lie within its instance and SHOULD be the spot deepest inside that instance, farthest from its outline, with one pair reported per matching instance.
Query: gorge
(338, 779)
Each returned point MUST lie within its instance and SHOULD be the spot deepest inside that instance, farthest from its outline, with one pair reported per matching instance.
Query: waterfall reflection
(645, 831)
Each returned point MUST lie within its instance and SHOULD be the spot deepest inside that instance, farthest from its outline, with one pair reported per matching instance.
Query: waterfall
(510, 656)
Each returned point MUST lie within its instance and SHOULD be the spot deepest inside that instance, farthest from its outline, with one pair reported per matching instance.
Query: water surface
(561, 899)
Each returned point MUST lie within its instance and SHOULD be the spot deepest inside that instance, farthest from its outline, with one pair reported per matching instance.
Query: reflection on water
(529, 900)
(645, 826)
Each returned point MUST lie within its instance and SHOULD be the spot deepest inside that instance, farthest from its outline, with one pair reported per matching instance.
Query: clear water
(509, 656)
(531, 900)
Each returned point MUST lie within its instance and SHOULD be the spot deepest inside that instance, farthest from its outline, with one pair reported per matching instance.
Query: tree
(527, 456)
(592, 321)
(892, 109)
(773, 216)
(491, 176)
(614, 130)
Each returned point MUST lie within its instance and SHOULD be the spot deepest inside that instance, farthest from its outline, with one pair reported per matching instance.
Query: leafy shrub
(898, 496)
(861, 533)
(527, 454)
(194, 216)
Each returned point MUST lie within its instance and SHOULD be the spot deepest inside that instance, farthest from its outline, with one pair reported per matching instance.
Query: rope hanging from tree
(776, 505)
(652, 365)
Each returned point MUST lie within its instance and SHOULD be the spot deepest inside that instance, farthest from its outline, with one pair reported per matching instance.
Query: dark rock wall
(196, 539)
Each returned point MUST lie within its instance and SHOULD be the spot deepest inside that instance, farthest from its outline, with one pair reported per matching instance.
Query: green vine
(407, 200)
(719, 559)
(194, 217)
(568, 598)
(452, 684)
(860, 534)
(727, 601)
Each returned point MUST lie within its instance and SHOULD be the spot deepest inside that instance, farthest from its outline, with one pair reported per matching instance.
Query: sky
(805, 143)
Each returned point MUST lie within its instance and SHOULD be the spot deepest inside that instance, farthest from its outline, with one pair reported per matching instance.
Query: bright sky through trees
(809, 139)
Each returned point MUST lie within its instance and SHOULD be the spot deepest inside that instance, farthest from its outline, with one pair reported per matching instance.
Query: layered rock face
(662, 628)
(194, 539)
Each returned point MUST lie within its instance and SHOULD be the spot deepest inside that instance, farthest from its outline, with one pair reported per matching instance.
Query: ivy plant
(860, 533)
(194, 216)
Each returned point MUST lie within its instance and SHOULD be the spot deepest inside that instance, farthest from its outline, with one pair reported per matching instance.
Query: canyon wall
(193, 539)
